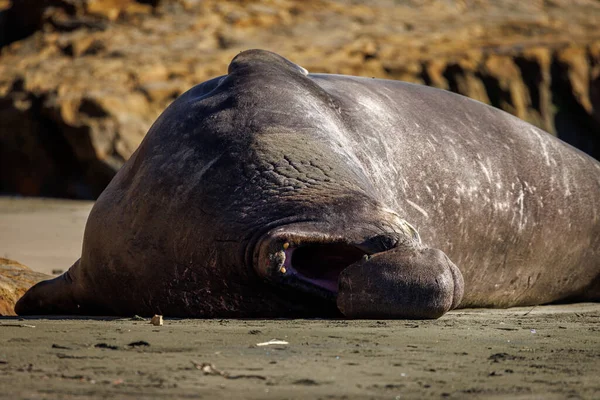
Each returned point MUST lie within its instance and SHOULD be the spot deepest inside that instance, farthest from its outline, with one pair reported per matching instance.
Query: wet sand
(548, 352)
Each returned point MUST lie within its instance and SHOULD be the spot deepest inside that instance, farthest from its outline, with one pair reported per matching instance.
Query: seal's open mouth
(320, 264)
(366, 273)
(306, 261)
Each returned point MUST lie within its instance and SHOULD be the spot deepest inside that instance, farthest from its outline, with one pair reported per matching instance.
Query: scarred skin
(421, 200)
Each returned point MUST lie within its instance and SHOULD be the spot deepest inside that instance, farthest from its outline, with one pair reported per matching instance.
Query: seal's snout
(416, 283)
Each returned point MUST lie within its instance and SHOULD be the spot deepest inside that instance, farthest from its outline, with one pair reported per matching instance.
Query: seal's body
(271, 192)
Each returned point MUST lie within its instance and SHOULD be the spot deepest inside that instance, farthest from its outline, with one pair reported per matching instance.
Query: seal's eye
(324, 262)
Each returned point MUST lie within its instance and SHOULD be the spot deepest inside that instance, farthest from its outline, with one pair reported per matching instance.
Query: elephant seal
(271, 192)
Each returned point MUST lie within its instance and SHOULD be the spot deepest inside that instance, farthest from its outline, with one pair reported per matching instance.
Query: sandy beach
(548, 352)
(545, 352)
(44, 234)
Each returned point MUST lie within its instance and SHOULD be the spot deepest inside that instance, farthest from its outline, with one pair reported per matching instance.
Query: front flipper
(403, 283)
(61, 296)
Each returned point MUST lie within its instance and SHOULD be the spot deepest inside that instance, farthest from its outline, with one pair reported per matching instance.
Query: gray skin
(269, 192)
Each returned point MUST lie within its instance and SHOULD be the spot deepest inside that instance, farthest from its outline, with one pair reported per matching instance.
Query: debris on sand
(138, 343)
(106, 346)
(272, 342)
(503, 357)
(18, 325)
(157, 320)
(210, 369)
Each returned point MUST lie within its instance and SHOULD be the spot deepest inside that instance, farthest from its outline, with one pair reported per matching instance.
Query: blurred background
(81, 81)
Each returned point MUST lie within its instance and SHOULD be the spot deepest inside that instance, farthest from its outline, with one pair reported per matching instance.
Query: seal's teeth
(282, 270)
(286, 245)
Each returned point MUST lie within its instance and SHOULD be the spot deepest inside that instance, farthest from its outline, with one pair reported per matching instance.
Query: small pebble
(157, 320)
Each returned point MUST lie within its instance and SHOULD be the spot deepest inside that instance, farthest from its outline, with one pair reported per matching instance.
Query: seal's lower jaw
(311, 263)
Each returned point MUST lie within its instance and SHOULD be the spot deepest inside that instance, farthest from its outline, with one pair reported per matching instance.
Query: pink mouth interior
(321, 264)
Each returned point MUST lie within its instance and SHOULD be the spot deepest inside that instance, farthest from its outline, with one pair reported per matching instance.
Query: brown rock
(15, 280)
(595, 80)
(82, 81)
(162, 91)
(505, 76)
(575, 62)
(535, 64)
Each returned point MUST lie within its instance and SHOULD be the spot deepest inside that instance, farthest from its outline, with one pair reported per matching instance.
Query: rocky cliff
(81, 81)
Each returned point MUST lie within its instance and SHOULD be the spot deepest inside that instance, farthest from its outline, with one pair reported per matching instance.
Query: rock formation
(15, 280)
(81, 81)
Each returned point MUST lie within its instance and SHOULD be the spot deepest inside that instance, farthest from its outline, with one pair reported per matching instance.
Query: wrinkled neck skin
(307, 217)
